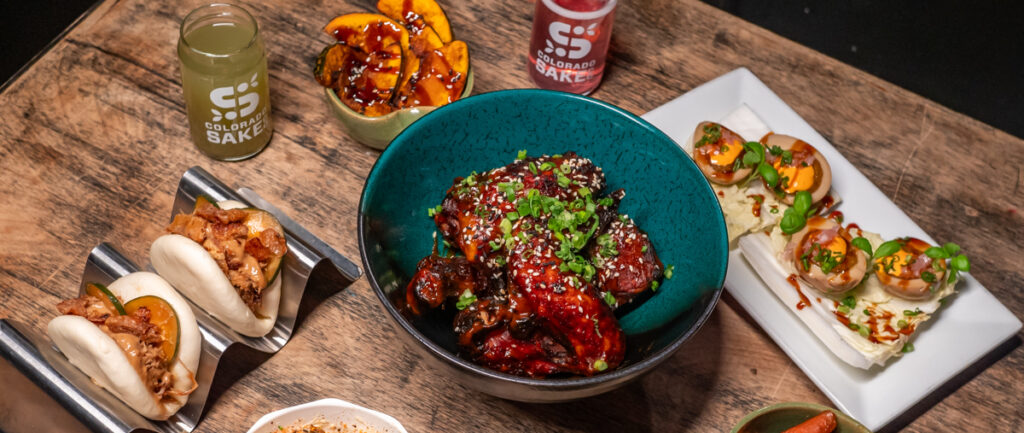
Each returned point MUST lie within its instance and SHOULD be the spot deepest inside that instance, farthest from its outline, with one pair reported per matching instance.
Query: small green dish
(779, 417)
(377, 132)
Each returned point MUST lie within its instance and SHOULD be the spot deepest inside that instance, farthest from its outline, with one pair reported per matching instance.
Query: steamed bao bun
(91, 350)
(193, 271)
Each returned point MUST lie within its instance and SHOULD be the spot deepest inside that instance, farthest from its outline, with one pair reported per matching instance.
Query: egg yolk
(837, 247)
(899, 260)
(800, 178)
(726, 155)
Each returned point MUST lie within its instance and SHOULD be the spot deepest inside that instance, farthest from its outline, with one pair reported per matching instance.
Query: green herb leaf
(600, 365)
(907, 348)
(887, 249)
(669, 269)
(961, 263)
(901, 324)
(792, 221)
(853, 326)
(505, 225)
(654, 286)
(434, 210)
(951, 248)
(522, 155)
(547, 165)
(754, 154)
(866, 312)
(936, 253)
(953, 273)
(643, 249)
(843, 309)
(768, 173)
(802, 202)
(466, 299)
(864, 331)
(909, 313)
(863, 244)
(533, 168)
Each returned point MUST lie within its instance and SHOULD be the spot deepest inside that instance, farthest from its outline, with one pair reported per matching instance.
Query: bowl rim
(796, 405)
(335, 100)
(325, 404)
(570, 383)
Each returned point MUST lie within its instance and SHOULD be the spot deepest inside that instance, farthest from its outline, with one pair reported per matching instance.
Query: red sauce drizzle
(837, 216)
(827, 202)
(804, 302)
(756, 208)
(721, 193)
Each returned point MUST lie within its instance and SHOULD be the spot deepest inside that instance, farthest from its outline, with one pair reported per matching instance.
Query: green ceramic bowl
(377, 132)
(665, 194)
(779, 417)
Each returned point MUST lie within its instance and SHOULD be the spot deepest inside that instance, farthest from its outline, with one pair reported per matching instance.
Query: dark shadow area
(237, 361)
(324, 282)
(28, 27)
(962, 55)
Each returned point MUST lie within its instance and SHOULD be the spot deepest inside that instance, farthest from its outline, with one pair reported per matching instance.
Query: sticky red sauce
(804, 302)
(721, 193)
(842, 318)
(837, 216)
(827, 202)
(853, 226)
(756, 208)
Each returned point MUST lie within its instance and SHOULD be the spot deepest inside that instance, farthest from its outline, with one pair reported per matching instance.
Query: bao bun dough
(190, 268)
(91, 350)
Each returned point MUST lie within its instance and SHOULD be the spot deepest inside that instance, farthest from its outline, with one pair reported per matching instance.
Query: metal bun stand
(43, 389)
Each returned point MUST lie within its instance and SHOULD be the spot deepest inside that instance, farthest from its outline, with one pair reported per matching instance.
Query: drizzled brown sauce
(758, 200)
(804, 302)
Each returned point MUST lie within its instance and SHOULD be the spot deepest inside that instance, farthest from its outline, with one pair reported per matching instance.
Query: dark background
(966, 55)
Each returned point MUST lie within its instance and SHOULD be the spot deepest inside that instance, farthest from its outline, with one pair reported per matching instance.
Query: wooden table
(94, 138)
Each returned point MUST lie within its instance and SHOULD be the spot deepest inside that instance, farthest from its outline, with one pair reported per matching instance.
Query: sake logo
(233, 99)
(566, 36)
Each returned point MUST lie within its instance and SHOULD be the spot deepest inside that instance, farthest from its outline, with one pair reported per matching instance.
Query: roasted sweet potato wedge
(330, 64)
(418, 14)
(440, 78)
(372, 71)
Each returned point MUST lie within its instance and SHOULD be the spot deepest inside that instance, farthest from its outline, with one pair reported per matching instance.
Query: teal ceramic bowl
(665, 194)
(777, 418)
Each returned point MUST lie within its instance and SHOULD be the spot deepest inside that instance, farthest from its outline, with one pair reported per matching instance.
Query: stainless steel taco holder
(43, 391)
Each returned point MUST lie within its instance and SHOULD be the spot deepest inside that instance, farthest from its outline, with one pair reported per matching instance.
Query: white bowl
(331, 410)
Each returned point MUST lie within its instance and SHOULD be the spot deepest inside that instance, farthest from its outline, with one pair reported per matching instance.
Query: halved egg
(801, 167)
(824, 256)
(717, 151)
(909, 273)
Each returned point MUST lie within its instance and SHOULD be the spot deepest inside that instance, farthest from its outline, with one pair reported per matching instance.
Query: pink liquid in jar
(570, 43)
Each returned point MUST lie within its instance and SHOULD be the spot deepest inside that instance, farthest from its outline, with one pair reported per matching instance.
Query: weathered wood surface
(94, 138)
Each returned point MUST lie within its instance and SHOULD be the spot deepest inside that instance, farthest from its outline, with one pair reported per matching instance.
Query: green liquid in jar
(224, 79)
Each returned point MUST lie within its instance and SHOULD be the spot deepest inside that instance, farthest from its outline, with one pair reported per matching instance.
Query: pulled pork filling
(138, 338)
(244, 260)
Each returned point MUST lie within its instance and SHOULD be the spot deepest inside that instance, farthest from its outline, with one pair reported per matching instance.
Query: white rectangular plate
(972, 323)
